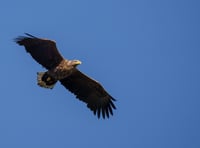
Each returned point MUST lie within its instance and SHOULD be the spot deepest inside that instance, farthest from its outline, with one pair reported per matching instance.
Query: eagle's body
(64, 69)
(44, 51)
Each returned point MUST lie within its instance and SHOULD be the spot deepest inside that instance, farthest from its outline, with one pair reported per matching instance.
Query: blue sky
(145, 53)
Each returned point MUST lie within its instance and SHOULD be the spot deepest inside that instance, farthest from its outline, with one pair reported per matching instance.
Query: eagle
(86, 89)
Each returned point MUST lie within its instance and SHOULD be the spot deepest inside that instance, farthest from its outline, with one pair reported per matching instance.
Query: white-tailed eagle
(86, 89)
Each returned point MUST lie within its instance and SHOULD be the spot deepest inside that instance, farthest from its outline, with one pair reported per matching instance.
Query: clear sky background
(145, 53)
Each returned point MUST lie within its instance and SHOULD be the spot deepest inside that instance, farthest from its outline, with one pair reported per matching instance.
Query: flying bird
(86, 89)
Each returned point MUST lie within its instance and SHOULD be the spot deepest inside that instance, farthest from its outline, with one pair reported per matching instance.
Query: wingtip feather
(29, 35)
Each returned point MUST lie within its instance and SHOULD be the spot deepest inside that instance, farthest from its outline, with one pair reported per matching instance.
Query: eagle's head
(74, 63)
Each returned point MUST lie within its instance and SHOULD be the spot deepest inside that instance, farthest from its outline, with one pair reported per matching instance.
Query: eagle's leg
(45, 80)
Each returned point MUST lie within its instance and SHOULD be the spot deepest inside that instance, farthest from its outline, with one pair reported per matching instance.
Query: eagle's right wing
(44, 51)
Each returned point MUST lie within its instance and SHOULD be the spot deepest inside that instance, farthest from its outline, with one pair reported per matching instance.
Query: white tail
(42, 83)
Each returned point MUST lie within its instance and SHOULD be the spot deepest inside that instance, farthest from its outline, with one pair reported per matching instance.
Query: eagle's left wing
(91, 92)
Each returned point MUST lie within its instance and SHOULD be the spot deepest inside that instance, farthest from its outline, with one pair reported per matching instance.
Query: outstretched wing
(90, 92)
(44, 51)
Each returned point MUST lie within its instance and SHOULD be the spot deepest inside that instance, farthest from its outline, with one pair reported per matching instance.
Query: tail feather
(44, 80)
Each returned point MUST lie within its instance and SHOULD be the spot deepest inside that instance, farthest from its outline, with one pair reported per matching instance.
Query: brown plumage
(88, 90)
